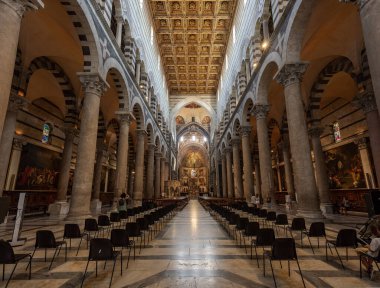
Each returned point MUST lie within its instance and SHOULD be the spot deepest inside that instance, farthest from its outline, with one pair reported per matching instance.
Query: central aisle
(194, 251)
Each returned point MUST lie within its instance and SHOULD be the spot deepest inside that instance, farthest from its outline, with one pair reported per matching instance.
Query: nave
(192, 250)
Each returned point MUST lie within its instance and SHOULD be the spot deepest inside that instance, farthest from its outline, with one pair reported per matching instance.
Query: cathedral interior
(189, 143)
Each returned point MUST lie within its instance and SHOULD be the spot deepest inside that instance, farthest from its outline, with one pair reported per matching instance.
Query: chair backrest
(119, 238)
(262, 213)
(271, 216)
(298, 224)
(265, 237)
(45, 239)
(282, 219)
(7, 255)
(143, 223)
(90, 224)
(252, 228)
(101, 249)
(115, 217)
(242, 223)
(123, 214)
(103, 220)
(284, 249)
(71, 231)
(317, 229)
(346, 238)
(133, 229)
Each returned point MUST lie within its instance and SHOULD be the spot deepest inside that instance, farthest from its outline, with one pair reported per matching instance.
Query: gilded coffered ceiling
(192, 37)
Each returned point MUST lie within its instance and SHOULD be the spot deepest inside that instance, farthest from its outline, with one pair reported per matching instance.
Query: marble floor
(193, 250)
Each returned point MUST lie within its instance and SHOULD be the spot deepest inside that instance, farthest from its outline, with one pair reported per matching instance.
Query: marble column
(238, 185)
(290, 77)
(14, 162)
(260, 111)
(247, 163)
(217, 178)
(162, 184)
(138, 72)
(94, 87)
(101, 155)
(366, 101)
(366, 162)
(60, 207)
(224, 176)
(230, 179)
(122, 155)
(370, 15)
(321, 170)
(11, 13)
(119, 29)
(139, 170)
(284, 146)
(15, 103)
(258, 178)
(150, 172)
(157, 176)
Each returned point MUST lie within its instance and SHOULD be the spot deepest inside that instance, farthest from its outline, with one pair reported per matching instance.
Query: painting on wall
(344, 167)
(39, 169)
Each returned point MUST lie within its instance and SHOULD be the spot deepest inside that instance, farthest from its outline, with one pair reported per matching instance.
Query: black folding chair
(240, 227)
(134, 231)
(91, 226)
(45, 240)
(120, 239)
(115, 219)
(345, 238)
(251, 230)
(101, 250)
(265, 238)
(72, 231)
(271, 218)
(282, 249)
(298, 225)
(7, 256)
(282, 221)
(104, 223)
(317, 229)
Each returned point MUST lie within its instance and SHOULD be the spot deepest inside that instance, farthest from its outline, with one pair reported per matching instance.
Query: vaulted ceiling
(192, 37)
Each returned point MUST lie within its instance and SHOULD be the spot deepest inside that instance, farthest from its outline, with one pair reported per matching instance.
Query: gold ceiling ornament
(192, 37)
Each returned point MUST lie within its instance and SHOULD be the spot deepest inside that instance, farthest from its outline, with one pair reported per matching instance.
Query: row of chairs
(107, 225)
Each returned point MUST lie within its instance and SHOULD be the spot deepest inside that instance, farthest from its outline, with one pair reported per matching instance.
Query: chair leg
(113, 269)
(340, 259)
(129, 255)
(55, 253)
(360, 263)
(121, 261)
(346, 253)
(257, 257)
(30, 263)
(80, 242)
(299, 268)
(30, 267)
(10, 277)
(288, 268)
(274, 278)
(244, 245)
(84, 274)
(3, 272)
(311, 246)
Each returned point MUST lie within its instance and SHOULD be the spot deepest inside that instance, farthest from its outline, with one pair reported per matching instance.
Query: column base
(96, 206)
(327, 208)
(77, 217)
(137, 203)
(59, 209)
(311, 214)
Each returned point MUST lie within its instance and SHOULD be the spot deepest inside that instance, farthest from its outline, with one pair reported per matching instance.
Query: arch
(247, 107)
(101, 127)
(71, 115)
(150, 133)
(236, 127)
(341, 64)
(192, 127)
(265, 77)
(116, 72)
(138, 113)
(88, 37)
(157, 142)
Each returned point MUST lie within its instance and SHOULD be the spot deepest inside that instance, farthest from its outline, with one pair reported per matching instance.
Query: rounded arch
(247, 107)
(138, 113)
(236, 127)
(150, 133)
(192, 127)
(265, 77)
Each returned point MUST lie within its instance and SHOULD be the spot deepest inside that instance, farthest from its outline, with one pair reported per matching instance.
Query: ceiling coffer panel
(192, 37)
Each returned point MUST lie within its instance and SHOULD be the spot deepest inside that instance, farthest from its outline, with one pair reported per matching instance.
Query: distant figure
(344, 206)
(257, 201)
(122, 203)
(372, 250)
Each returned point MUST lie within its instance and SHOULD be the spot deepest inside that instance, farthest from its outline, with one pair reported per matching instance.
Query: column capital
(291, 73)
(124, 117)
(151, 147)
(245, 131)
(157, 154)
(141, 133)
(93, 83)
(21, 6)
(366, 101)
(227, 150)
(235, 142)
(362, 143)
(71, 131)
(18, 142)
(260, 111)
(315, 131)
(16, 102)
(120, 19)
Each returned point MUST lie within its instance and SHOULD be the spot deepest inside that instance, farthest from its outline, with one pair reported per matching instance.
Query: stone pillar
(105, 189)
(284, 146)
(138, 71)
(247, 163)
(14, 163)
(307, 194)
(15, 103)
(11, 12)
(320, 170)
(162, 184)
(367, 102)
(260, 111)
(119, 29)
(217, 179)
(157, 177)
(237, 169)
(139, 170)
(94, 87)
(101, 154)
(370, 14)
(224, 176)
(265, 21)
(122, 155)
(150, 172)
(366, 162)
(230, 180)
(258, 178)
(60, 207)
